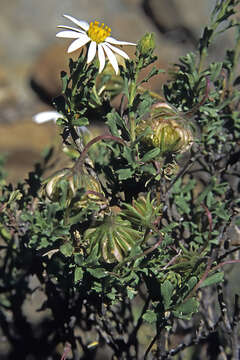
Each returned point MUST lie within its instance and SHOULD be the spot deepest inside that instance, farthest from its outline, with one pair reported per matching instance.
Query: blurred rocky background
(31, 57)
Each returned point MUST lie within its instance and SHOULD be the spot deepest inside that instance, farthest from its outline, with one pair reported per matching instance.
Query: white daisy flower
(100, 41)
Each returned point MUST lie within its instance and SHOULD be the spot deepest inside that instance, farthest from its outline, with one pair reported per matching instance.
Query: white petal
(111, 57)
(68, 34)
(77, 44)
(101, 57)
(111, 40)
(118, 51)
(91, 51)
(45, 116)
(71, 28)
(83, 24)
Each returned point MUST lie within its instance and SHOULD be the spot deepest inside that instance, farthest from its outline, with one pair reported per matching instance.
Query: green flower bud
(143, 212)
(147, 44)
(75, 182)
(52, 188)
(93, 190)
(112, 239)
(168, 130)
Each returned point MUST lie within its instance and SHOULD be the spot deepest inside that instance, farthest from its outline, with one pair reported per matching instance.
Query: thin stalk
(79, 163)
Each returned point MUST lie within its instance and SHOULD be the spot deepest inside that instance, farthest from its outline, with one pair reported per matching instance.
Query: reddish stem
(225, 263)
(83, 155)
(67, 348)
(196, 107)
(209, 216)
(97, 194)
(206, 272)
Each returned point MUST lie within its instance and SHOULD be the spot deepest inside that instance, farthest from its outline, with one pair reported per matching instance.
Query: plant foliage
(134, 234)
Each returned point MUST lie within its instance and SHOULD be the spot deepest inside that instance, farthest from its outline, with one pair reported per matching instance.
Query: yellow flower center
(98, 32)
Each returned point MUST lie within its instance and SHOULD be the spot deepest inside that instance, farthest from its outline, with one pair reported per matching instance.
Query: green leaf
(66, 249)
(64, 78)
(112, 123)
(83, 121)
(186, 309)
(167, 291)
(78, 274)
(191, 283)
(182, 204)
(154, 71)
(124, 174)
(213, 279)
(150, 316)
(44, 242)
(131, 292)
(61, 122)
(149, 168)
(97, 272)
(151, 154)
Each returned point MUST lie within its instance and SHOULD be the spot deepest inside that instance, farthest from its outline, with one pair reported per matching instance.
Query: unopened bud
(147, 44)
(168, 130)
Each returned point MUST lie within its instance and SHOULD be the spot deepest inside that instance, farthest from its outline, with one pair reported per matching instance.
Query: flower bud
(93, 190)
(168, 130)
(143, 212)
(52, 188)
(147, 44)
(75, 182)
(112, 239)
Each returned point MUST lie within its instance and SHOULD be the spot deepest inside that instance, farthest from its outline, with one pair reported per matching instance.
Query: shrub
(127, 246)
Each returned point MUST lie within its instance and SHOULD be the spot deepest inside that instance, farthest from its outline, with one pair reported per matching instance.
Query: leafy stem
(79, 163)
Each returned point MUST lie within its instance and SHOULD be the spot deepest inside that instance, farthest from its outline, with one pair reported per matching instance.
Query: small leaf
(166, 291)
(83, 121)
(67, 249)
(60, 122)
(150, 316)
(111, 122)
(186, 309)
(97, 272)
(151, 154)
(124, 174)
(213, 279)
(78, 274)
(64, 77)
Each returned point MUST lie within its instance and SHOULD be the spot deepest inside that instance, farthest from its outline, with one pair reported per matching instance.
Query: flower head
(100, 41)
